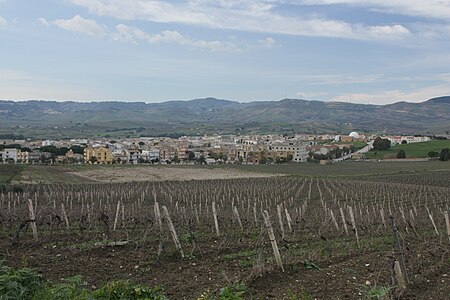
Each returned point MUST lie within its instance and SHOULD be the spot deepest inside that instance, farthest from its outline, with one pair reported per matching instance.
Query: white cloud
(267, 42)
(132, 34)
(80, 25)
(311, 95)
(43, 21)
(392, 96)
(3, 22)
(439, 9)
(244, 15)
(339, 79)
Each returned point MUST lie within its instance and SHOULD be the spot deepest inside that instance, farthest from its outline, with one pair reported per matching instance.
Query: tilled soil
(339, 277)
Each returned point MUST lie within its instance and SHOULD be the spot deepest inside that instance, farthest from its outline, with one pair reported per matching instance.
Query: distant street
(366, 149)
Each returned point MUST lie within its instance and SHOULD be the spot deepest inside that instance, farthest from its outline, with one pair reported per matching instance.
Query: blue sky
(363, 51)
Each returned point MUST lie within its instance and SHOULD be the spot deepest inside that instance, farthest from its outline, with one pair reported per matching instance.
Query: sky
(359, 51)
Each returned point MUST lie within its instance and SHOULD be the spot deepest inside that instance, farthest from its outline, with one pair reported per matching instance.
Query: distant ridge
(211, 115)
(440, 100)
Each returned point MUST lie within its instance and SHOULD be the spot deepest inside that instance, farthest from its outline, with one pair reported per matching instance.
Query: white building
(399, 139)
(296, 148)
(9, 154)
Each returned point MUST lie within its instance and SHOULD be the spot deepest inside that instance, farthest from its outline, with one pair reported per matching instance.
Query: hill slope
(210, 115)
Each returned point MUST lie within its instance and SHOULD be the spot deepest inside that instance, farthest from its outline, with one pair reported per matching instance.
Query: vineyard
(283, 237)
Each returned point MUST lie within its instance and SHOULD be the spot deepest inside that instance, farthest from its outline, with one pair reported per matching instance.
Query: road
(366, 149)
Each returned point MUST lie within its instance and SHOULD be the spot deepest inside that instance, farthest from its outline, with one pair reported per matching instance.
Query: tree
(401, 154)
(381, 144)
(404, 142)
(289, 158)
(77, 149)
(433, 154)
(190, 155)
(444, 155)
(201, 160)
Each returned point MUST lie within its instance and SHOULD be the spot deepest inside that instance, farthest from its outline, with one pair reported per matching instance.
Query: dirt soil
(344, 277)
(162, 173)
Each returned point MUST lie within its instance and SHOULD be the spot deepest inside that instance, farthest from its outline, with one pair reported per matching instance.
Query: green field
(415, 150)
(348, 168)
(9, 172)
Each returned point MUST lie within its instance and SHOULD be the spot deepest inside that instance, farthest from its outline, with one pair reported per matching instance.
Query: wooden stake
(343, 220)
(216, 222)
(236, 213)
(447, 222)
(352, 218)
(172, 230)
(272, 239)
(32, 219)
(399, 276)
(63, 211)
(280, 219)
(288, 218)
(117, 215)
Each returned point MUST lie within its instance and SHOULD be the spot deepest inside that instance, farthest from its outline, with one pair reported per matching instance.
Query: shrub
(19, 284)
(401, 154)
(126, 290)
(444, 155)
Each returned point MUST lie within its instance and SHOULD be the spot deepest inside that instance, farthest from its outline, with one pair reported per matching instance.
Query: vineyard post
(216, 222)
(117, 215)
(447, 223)
(272, 239)
(343, 220)
(288, 218)
(399, 276)
(399, 247)
(432, 222)
(32, 219)
(280, 219)
(236, 213)
(172, 230)
(66, 219)
(334, 220)
(352, 218)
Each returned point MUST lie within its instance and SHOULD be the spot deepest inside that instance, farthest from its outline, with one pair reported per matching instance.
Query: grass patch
(25, 283)
(9, 172)
(415, 150)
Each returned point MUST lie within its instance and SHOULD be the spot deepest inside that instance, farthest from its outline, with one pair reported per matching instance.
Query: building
(134, 155)
(9, 155)
(74, 157)
(286, 149)
(28, 157)
(100, 155)
(395, 140)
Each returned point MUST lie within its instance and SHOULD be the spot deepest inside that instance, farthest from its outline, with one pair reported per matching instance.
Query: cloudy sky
(365, 51)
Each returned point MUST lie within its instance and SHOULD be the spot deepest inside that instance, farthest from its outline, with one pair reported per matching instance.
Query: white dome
(354, 135)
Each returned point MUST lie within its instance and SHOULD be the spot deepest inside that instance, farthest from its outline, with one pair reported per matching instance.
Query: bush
(401, 154)
(433, 154)
(25, 284)
(444, 155)
(19, 284)
(71, 288)
(381, 144)
(126, 290)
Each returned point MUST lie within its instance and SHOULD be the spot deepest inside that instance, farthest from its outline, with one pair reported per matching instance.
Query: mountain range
(53, 119)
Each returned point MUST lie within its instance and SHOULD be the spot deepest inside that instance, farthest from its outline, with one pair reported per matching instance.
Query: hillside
(210, 115)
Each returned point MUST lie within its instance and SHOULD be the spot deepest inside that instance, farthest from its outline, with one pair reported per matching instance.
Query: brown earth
(342, 277)
(161, 173)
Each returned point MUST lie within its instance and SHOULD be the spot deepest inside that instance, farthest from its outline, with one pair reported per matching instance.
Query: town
(213, 149)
